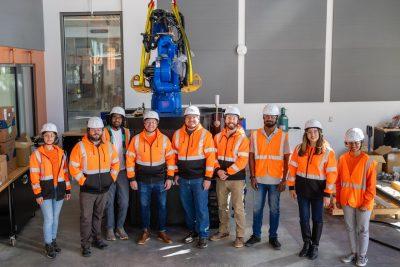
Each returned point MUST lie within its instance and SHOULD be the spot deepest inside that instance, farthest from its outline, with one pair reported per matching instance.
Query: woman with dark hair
(50, 184)
(312, 176)
(355, 193)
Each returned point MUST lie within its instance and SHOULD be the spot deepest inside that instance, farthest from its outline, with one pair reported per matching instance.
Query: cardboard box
(8, 127)
(8, 149)
(24, 150)
(392, 162)
(11, 165)
(3, 169)
(380, 161)
(379, 156)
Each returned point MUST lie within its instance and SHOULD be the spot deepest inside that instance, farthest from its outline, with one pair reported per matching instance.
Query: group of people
(108, 161)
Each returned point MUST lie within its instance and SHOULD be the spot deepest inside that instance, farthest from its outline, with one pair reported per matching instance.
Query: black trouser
(317, 207)
(92, 209)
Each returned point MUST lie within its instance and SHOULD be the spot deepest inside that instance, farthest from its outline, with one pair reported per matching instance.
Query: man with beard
(119, 136)
(195, 150)
(233, 154)
(94, 164)
(150, 163)
(268, 162)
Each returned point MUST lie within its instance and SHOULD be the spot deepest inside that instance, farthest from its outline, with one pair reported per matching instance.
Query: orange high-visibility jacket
(313, 175)
(150, 162)
(126, 136)
(232, 153)
(269, 152)
(195, 153)
(41, 174)
(94, 167)
(356, 189)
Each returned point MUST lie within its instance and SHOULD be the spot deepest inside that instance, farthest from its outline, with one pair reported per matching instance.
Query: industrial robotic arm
(171, 72)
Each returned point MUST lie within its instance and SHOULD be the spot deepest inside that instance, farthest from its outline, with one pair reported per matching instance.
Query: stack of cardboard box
(8, 133)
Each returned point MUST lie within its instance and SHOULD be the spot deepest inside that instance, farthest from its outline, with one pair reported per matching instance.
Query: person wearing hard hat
(194, 148)
(50, 184)
(312, 176)
(355, 193)
(150, 163)
(268, 162)
(232, 158)
(119, 136)
(94, 164)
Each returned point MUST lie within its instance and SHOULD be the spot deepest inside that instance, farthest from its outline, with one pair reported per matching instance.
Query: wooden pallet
(384, 206)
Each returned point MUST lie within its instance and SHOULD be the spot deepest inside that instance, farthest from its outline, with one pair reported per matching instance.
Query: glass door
(17, 90)
(93, 66)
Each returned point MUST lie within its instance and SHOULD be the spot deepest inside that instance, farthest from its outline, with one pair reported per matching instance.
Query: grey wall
(212, 28)
(285, 59)
(366, 50)
(21, 24)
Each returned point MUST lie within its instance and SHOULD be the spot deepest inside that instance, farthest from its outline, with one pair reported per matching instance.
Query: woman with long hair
(312, 176)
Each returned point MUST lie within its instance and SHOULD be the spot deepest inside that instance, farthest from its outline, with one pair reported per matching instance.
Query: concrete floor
(29, 248)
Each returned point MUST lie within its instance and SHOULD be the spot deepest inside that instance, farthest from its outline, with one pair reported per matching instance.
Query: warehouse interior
(64, 62)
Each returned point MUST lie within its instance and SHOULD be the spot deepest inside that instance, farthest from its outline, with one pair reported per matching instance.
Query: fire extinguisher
(283, 120)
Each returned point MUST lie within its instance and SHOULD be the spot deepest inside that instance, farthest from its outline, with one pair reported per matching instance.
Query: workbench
(17, 203)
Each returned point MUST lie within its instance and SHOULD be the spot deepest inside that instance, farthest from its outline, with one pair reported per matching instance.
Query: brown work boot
(121, 233)
(239, 242)
(218, 236)
(144, 238)
(164, 237)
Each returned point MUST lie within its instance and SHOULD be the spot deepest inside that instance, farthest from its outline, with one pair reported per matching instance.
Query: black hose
(383, 243)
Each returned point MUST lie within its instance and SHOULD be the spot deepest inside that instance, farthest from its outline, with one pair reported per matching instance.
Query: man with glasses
(150, 163)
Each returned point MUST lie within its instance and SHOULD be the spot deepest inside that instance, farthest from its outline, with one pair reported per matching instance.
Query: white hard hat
(49, 127)
(95, 123)
(151, 115)
(192, 110)
(313, 124)
(271, 109)
(118, 110)
(354, 135)
(232, 110)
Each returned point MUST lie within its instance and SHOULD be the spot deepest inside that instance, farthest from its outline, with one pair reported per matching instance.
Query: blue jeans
(317, 208)
(51, 211)
(258, 209)
(145, 192)
(195, 204)
(119, 190)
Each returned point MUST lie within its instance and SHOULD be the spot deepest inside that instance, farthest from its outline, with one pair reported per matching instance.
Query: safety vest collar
(239, 131)
(198, 128)
(269, 137)
(157, 133)
(87, 141)
(60, 152)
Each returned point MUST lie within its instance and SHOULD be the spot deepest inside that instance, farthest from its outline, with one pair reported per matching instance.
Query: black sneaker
(50, 252)
(275, 243)
(86, 252)
(99, 244)
(190, 237)
(55, 246)
(252, 240)
(202, 243)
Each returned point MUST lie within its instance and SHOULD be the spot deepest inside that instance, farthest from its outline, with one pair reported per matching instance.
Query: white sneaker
(349, 258)
(362, 261)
